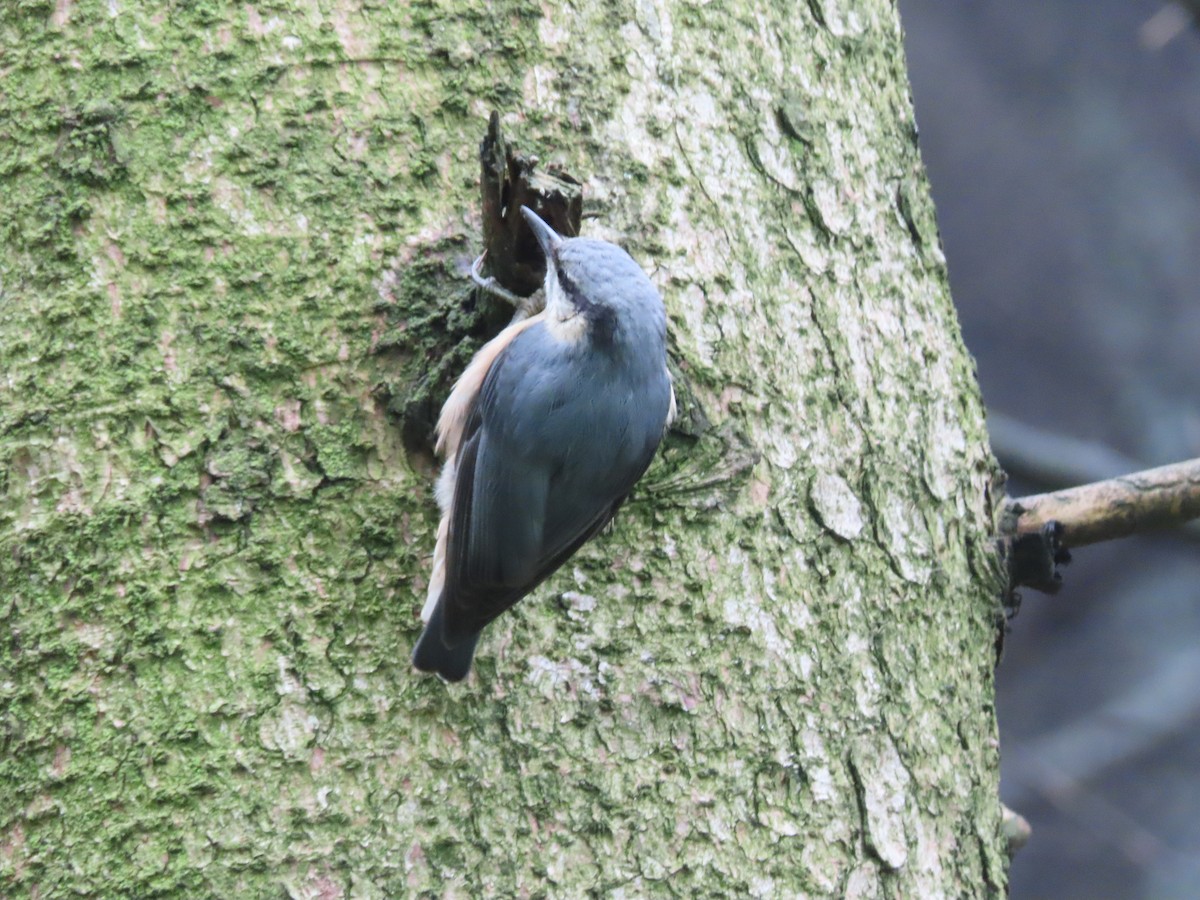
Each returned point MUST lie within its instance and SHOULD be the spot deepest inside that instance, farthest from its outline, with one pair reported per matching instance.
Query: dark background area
(1062, 138)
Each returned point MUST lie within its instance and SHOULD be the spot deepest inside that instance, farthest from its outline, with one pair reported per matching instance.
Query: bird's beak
(546, 236)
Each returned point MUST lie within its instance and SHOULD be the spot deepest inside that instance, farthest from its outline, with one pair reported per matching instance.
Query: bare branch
(1156, 498)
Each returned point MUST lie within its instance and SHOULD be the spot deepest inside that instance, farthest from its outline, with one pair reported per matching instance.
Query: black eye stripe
(602, 318)
(566, 284)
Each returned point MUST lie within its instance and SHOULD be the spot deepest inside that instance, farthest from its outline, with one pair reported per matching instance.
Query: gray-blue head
(595, 288)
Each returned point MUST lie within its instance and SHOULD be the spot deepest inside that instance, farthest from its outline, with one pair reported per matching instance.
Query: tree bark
(234, 258)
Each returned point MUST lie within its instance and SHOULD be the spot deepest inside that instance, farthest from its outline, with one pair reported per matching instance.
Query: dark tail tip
(432, 655)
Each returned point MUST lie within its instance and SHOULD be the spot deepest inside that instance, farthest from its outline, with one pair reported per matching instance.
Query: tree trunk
(233, 259)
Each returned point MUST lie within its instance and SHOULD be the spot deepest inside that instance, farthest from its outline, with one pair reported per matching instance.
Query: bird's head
(597, 282)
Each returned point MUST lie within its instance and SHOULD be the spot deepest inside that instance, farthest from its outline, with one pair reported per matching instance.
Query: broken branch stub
(508, 181)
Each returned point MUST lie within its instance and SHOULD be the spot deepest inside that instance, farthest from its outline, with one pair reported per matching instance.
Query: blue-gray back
(558, 437)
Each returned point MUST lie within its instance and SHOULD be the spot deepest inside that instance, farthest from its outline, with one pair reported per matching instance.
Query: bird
(543, 435)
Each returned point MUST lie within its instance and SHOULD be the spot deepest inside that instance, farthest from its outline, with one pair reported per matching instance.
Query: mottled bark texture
(234, 247)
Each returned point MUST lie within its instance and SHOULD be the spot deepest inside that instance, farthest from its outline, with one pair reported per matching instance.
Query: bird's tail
(433, 655)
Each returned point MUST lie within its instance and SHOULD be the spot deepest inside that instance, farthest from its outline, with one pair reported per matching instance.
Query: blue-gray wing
(551, 448)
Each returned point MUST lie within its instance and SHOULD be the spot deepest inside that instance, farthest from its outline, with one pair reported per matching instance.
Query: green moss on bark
(232, 269)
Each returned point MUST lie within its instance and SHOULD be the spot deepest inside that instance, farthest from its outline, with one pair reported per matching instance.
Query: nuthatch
(544, 436)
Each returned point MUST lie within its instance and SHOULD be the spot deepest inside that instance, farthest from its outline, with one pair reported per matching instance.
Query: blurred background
(1062, 138)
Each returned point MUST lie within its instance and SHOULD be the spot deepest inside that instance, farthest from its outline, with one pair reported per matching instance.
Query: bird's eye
(565, 282)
